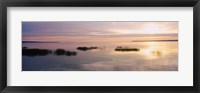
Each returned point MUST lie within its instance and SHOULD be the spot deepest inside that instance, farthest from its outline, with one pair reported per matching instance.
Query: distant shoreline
(131, 41)
(37, 42)
(154, 40)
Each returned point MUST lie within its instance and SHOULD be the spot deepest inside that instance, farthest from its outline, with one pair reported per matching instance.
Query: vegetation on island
(44, 52)
(59, 52)
(64, 52)
(35, 52)
(86, 48)
(120, 48)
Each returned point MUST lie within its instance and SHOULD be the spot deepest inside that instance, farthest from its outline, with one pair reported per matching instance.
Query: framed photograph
(133, 46)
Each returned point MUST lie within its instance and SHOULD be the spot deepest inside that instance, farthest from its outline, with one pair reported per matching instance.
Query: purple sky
(57, 31)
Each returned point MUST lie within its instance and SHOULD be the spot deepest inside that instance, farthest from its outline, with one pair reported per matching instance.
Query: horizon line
(76, 42)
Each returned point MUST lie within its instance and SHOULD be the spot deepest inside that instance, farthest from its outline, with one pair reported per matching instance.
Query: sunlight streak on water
(153, 56)
(152, 51)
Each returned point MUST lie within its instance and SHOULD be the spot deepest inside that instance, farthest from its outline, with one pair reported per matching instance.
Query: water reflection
(157, 53)
(151, 56)
(152, 51)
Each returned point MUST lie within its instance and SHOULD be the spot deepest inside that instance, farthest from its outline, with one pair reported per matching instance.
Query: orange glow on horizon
(95, 39)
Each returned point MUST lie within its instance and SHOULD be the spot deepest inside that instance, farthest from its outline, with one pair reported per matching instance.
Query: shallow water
(153, 56)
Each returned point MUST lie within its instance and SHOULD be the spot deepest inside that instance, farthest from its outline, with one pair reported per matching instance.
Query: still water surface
(153, 56)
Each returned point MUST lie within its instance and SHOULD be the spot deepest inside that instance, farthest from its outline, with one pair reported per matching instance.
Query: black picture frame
(98, 3)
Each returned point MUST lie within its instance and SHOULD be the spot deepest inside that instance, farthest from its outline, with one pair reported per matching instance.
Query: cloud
(84, 28)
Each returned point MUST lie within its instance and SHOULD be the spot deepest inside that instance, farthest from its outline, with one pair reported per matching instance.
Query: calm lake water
(153, 56)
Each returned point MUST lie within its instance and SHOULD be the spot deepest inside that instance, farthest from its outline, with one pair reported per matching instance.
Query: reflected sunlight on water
(152, 51)
(152, 56)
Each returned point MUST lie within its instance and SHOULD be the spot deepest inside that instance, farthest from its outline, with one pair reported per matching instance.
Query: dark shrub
(44, 52)
(86, 48)
(24, 47)
(70, 53)
(35, 52)
(59, 52)
(119, 48)
(64, 52)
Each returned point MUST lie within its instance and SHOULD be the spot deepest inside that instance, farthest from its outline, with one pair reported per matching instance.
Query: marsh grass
(86, 48)
(126, 49)
(64, 52)
(44, 52)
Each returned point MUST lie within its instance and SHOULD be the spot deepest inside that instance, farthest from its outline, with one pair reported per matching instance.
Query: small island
(119, 48)
(86, 48)
(44, 52)
(64, 52)
(35, 52)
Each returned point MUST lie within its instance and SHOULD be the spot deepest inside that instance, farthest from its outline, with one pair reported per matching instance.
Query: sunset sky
(98, 31)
